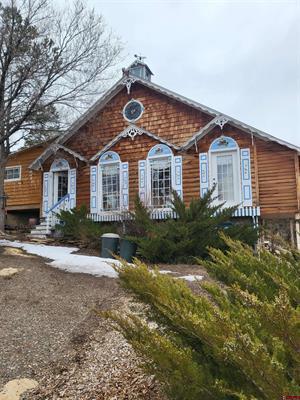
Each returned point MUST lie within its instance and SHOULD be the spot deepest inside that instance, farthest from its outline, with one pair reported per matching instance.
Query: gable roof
(52, 149)
(127, 81)
(221, 120)
(131, 131)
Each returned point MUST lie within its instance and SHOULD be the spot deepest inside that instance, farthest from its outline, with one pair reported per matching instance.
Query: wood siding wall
(26, 192)
(169, 119)
(273, 167)
(277, 176)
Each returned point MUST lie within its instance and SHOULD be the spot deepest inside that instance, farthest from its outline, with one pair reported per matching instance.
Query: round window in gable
(133, 110)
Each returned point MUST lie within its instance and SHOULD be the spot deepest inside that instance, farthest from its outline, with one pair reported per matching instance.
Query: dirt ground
(50, 332)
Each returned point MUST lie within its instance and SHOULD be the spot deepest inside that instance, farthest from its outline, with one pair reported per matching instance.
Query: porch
(253, 212)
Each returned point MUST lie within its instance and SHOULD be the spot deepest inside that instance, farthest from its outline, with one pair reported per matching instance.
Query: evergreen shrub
(189, 235)
(75, 225)
(237, 340)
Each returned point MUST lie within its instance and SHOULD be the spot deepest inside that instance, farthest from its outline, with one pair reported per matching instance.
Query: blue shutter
(124, 186)
(72, 187)
(94, 189)
(204, 173)
(143, 180)
(246, 177)
(177, 175)
(47, 191)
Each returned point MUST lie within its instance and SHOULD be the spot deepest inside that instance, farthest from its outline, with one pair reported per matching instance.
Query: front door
(60, 185)
(225, 175)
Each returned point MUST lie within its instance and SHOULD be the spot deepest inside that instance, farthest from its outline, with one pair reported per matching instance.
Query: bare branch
(50, 59)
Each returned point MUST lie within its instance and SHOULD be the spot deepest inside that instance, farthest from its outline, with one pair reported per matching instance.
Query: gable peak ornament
(128, 81)
(132, 131)
(221, 121)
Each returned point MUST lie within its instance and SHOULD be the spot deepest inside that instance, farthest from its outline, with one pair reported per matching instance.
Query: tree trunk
(3, 160)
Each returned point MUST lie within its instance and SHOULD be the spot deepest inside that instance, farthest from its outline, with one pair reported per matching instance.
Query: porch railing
(253, 212)
(52, 214)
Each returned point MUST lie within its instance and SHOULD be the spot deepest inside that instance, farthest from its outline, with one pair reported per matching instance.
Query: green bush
(75, 225)
(239, 339)
(196, 227)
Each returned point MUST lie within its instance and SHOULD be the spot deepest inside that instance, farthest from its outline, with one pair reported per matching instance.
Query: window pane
(62, 189)
(12, 173)
(111, 187)
(161, 182)
(225, 177)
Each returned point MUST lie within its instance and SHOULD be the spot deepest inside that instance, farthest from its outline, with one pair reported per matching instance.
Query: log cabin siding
(277, 178)
(26, 192)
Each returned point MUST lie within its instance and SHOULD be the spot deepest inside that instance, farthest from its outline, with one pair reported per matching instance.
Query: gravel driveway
(50, 332)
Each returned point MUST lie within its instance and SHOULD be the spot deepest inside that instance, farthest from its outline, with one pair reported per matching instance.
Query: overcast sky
(239, 57)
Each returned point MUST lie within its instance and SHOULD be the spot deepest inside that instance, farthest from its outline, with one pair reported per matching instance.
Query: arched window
(160, 159)
(225, 170)
(59, 164)
(109, 179)
(60, 169)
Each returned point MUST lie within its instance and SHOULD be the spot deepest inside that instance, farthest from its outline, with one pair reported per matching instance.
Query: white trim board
(14, 167)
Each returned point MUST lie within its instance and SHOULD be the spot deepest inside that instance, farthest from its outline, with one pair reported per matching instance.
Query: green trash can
(127, 249)
(109, 244)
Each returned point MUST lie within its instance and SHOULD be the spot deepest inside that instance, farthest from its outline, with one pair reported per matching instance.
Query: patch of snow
(191, 278)
(165, 271)
(64, 259)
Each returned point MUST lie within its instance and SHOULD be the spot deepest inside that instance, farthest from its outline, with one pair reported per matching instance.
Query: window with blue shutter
(124, 186)
(47, 191)
(143, 180)
(246, 177)
(204, 173)
(159, 175)
(177, 175)
(94, 189)
(109, 180)
(72, 187)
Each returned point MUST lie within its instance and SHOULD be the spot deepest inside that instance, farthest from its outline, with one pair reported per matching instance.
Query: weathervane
(139, 57)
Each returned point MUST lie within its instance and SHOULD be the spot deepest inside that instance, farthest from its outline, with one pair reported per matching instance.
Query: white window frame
(149, 176)
(236, 173)
(57, 166)
(19, 167)
(103, 162)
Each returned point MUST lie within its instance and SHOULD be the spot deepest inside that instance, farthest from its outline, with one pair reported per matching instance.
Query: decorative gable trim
(200, 134)
(132, 131)
(221, 120)
(52, 149)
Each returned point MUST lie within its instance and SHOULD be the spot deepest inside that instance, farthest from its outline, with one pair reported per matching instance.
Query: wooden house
(141, 138)
(23, 186)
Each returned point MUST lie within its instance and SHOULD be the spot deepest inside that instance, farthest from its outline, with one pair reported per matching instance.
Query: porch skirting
(253, 212)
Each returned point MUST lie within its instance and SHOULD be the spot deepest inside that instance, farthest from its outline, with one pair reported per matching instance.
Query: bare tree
(49, 59)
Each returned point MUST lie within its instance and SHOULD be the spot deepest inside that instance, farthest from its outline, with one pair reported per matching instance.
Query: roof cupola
(138, 69)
